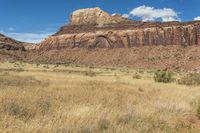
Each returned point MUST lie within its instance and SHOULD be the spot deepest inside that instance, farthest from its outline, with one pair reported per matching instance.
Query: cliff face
(8, 43)
(94, 28)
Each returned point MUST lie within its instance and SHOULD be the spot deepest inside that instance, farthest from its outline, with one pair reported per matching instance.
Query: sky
(34, 20)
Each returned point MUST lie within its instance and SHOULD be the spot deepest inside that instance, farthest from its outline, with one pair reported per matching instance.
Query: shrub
(37, 64)
(136, 76)
(117, 76)
(103, 125)
(198, 111)
(141, 71)
(18, 111)
(190, 79)
(165, 77)
(43, 106)
(90, 73)
(47, 67)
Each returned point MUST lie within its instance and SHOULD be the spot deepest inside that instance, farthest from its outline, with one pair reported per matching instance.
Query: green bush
(190, 79)
(165, 77)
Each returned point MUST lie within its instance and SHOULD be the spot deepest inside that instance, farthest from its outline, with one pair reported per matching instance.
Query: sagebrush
(162, 76)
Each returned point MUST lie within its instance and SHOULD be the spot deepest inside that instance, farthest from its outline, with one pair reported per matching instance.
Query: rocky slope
(171, 57)
(13, 50)
(94, 28)
(10, 44)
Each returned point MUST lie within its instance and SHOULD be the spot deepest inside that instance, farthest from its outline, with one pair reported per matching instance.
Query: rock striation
(8, 43)
(94, 28)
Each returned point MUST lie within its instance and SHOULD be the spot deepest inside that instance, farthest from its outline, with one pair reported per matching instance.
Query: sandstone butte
(94, 28)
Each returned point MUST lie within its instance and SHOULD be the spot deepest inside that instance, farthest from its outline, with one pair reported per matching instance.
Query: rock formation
(95, 38)
(94, 16)
(11, 44)
(94, 28)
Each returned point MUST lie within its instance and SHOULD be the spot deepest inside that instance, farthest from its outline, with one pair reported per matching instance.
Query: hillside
(10, 44)
(11, 49)
(95, 38)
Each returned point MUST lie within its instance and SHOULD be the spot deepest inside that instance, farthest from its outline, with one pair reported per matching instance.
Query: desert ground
(62, 98)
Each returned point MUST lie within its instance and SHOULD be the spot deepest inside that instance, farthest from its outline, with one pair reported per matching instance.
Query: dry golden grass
(61, 99)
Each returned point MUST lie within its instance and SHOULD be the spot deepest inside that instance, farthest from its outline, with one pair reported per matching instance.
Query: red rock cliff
(94, 28)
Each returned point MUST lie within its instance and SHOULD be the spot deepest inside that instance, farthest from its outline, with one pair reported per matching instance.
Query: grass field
(39, 98)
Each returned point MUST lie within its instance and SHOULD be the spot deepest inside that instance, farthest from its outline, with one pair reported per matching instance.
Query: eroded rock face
(11, 44)
(83, 34)
(93, 16)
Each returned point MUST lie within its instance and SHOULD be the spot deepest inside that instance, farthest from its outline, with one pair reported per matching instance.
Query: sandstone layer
(10, 44)
(94, 28)
(7, 43)
(94, 16)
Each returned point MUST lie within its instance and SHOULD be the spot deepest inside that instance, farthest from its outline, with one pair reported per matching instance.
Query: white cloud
(29, 37)
(11, 29)
(125, 15)
(113, 14)
(197, 18)
(151, 14)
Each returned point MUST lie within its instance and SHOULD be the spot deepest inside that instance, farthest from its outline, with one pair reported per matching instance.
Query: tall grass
(190, 79)
(49, 101)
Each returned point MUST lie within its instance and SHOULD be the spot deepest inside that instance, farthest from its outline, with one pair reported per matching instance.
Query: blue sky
(33, 20)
